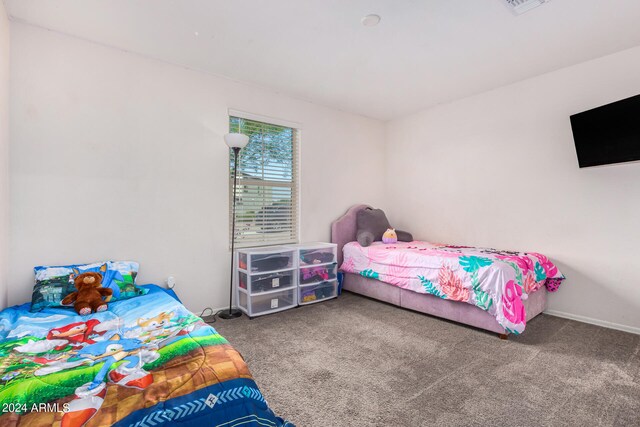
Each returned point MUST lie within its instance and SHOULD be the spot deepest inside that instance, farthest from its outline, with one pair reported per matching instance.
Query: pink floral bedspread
(496, 281)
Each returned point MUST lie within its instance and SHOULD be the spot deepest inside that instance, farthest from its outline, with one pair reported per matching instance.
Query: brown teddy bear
(88, 297)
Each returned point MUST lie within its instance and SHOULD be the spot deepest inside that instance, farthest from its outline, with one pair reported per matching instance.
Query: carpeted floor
(358, 362)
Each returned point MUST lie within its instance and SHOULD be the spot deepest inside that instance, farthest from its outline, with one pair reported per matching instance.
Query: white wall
(119, 156)
(500, 169)
(4, 153)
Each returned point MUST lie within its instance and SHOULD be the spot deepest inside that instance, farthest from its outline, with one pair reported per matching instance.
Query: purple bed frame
(343, 231)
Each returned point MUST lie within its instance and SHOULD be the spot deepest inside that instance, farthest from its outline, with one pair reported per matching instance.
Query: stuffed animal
(371, 225)
(88, 297)
(390, 236)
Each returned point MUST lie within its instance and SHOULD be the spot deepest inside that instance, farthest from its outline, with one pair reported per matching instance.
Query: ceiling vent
(519, 7)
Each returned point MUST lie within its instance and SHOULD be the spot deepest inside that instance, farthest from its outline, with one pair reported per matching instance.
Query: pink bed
(494, 290)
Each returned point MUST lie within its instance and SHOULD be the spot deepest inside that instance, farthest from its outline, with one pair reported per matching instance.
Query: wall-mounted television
(608, 134)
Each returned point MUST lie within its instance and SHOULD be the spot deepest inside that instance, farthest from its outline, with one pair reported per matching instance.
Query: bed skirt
(426, 303)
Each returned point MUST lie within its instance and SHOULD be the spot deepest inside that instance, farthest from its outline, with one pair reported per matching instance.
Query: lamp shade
(236, 140)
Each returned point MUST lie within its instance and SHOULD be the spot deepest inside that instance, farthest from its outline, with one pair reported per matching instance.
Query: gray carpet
(358, 362)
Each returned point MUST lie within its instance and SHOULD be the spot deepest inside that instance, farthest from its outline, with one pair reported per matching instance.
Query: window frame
(294, 184)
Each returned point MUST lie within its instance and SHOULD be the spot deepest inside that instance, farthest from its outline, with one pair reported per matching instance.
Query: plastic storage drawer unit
(266, 279)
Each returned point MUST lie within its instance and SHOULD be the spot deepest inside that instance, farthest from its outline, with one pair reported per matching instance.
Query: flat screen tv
(608, 134)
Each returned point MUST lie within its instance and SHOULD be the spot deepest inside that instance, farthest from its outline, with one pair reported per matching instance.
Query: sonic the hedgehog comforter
(147, 361)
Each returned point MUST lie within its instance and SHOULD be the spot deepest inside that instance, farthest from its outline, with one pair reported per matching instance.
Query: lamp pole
(233, 313)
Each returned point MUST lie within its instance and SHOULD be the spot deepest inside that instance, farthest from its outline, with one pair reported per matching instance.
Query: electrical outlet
(171, 282)
(518, 7)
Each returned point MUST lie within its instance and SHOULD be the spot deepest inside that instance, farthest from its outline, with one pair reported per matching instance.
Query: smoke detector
(518, 7)
(371, 20)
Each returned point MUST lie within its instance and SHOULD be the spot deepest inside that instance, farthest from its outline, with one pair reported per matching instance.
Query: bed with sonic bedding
(146, 361)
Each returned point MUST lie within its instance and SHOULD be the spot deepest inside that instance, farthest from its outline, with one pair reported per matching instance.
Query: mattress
(493, 280)
(147, 361)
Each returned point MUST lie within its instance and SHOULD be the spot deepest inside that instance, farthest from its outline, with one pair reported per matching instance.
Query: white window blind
(267, 186)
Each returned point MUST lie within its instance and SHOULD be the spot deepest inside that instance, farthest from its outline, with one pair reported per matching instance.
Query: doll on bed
(373, 226)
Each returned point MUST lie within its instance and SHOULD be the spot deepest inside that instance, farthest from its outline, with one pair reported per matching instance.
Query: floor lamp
(235, 141)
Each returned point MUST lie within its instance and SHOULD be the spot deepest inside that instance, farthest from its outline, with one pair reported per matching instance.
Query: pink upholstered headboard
(343, 229)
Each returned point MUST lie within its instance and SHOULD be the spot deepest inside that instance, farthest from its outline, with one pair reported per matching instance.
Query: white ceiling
(424, 52)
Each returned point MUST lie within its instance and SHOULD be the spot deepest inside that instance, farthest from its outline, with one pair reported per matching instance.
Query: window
(267, 186)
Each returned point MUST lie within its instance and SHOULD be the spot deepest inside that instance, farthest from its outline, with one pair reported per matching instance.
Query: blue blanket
(147, 361)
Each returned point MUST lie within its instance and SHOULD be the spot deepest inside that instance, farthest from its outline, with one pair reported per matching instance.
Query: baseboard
(597, 322)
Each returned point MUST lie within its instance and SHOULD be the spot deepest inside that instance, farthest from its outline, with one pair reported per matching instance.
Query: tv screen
(608, 134)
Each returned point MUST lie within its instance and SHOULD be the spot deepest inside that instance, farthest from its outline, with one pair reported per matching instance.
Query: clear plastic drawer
(267, 302)
(265, 260)
(317, 273)
(265, 282)
(318, 292)
(320, 253)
